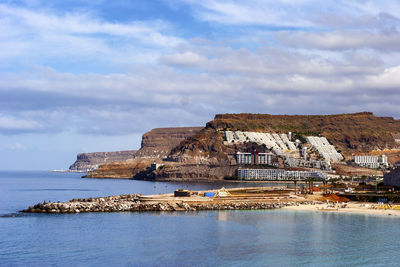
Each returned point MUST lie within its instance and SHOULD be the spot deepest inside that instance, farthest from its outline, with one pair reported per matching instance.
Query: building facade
(265, 158)
(372, 162)
(255, 158)
(278, 174)
(243, 158)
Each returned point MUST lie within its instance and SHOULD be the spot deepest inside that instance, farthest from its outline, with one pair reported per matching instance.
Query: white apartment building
(248, 158)
(372, 162)
(243, 158)
(278, 174)
(264, 158)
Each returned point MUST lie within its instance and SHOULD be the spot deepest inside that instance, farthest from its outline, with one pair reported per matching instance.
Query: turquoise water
(208, 238)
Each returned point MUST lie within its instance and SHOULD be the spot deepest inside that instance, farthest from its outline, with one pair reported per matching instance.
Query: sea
(203, 238)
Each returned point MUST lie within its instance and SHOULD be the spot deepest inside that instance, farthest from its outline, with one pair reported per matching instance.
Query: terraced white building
(275, 142)
(324, 148)
(281, 145)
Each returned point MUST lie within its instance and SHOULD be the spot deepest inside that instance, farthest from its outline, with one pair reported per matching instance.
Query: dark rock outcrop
(195, 172)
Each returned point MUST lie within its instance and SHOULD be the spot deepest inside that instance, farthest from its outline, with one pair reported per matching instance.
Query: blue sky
(80, 76)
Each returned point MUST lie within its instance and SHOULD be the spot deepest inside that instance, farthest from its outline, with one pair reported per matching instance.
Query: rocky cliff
(88, 161)
(158, 142)
(200, 152)
(156, 145)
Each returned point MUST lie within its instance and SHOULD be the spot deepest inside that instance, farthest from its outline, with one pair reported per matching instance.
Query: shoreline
(360, 208)
(205, 180)
(243, 198)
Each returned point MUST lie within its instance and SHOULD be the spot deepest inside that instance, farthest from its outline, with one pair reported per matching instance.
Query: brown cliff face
(85, 161)
(358, 132)
(158, 142)
(205, 146)
(156, 145)
(121, 170)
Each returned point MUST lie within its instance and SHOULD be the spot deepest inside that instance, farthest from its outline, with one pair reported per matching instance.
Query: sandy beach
(352, 207)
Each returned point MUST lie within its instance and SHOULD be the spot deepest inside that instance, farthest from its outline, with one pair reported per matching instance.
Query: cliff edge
(156, 145)
(89, 161)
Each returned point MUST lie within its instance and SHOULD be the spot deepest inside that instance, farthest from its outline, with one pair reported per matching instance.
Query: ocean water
(206, 238)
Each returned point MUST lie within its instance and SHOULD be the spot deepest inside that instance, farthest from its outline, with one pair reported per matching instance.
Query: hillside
(350, 133)
(358, 132)
(194, 153)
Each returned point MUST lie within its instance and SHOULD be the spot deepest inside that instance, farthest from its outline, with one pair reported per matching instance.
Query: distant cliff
(156, 145)
(87, 161)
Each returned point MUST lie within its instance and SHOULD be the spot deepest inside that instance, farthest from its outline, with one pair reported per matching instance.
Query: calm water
(220, 238)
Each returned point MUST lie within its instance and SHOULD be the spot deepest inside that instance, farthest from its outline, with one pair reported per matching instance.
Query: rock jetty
(118, 204)
(245, 199)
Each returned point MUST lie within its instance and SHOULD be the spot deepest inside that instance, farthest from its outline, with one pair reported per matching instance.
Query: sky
(86, 76)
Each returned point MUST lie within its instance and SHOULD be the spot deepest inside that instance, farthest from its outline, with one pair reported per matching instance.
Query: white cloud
(188, 81)
(195, 86)
(184, 59)
(256, 12)
(9, 123)
(42, 37)
(298, 14)
(342, 40)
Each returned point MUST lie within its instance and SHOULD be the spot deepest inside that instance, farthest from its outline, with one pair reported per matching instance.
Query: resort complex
(315, 153)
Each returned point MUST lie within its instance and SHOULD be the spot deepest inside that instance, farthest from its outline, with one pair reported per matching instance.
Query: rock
(88, 161)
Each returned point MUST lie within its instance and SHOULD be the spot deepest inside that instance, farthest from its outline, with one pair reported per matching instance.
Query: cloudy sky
(84, 76)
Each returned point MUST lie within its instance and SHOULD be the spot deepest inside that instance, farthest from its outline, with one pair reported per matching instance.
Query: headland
(259, 147)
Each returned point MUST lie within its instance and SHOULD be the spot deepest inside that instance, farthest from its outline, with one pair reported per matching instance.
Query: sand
(352, 208)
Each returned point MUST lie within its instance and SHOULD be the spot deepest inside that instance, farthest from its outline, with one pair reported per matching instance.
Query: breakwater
(104, 205)
(167, 202)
